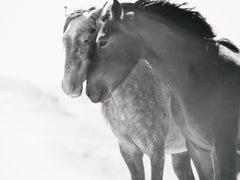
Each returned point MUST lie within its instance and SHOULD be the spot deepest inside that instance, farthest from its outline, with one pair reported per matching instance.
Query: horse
(200, 73)
(78, 27)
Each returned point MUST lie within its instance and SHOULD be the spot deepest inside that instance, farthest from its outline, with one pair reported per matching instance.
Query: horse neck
(170, 49)
(163, 36)
(144, 84)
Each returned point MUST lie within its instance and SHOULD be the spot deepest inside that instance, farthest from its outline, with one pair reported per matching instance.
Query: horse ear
(97, 13)
(67, 11)
(116, 10)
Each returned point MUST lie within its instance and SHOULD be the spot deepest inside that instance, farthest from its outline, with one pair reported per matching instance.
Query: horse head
(117, 51)
(80, 31)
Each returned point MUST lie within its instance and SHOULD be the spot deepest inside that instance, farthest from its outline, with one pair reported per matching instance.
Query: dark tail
(227, 43)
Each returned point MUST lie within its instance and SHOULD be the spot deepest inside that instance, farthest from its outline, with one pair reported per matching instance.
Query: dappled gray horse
(144, 110)
(201, 75)
(139, 115)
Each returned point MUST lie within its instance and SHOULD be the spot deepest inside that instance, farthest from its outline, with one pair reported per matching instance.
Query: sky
(31, 32)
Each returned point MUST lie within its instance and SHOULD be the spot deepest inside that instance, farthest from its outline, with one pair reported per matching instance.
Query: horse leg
(203, 161)
(133, 159)
(238, 164)
(157, 158)
(225, 159)
(182, 166)
(238, 158)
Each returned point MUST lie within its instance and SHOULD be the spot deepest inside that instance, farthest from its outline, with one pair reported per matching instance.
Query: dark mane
(186, 17)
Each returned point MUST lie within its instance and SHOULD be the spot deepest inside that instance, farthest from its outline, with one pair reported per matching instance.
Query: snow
(47, 135)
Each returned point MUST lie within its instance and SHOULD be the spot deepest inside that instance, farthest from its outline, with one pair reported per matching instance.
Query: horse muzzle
(97, 95)
(94, 95)
(71, 89)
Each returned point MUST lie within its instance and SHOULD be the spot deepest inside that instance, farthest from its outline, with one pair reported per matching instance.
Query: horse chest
(127, 120)
(139, 113)
(135, 115)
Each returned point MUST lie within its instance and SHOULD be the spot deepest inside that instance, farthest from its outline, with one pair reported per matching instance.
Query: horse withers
(201, 78)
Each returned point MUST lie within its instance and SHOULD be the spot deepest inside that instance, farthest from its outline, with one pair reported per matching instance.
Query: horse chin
(100, 96)
(105, 97)
(96, 98)
(77, 93)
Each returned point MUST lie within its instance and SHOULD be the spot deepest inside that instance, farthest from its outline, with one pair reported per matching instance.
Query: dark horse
(138, 112)
(200, 74)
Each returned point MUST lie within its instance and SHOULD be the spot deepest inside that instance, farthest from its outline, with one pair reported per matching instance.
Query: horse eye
(102, 43)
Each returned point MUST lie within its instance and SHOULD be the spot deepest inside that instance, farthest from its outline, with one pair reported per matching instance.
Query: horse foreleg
(182, 166)
(133, 159)
(203, 161)
(157, 157)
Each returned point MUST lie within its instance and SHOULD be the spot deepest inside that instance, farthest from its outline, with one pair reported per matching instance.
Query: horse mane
(75, 14)
(227, 43)
(188, 18)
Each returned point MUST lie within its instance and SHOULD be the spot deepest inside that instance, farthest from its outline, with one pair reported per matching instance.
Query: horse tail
(227, 43)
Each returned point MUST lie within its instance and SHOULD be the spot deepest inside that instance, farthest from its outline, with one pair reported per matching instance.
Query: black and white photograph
(120, 90)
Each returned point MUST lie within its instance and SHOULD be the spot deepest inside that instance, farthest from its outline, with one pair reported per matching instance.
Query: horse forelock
(77, 13)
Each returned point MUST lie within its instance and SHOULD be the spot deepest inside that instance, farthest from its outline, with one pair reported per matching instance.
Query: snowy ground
(46, 135)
